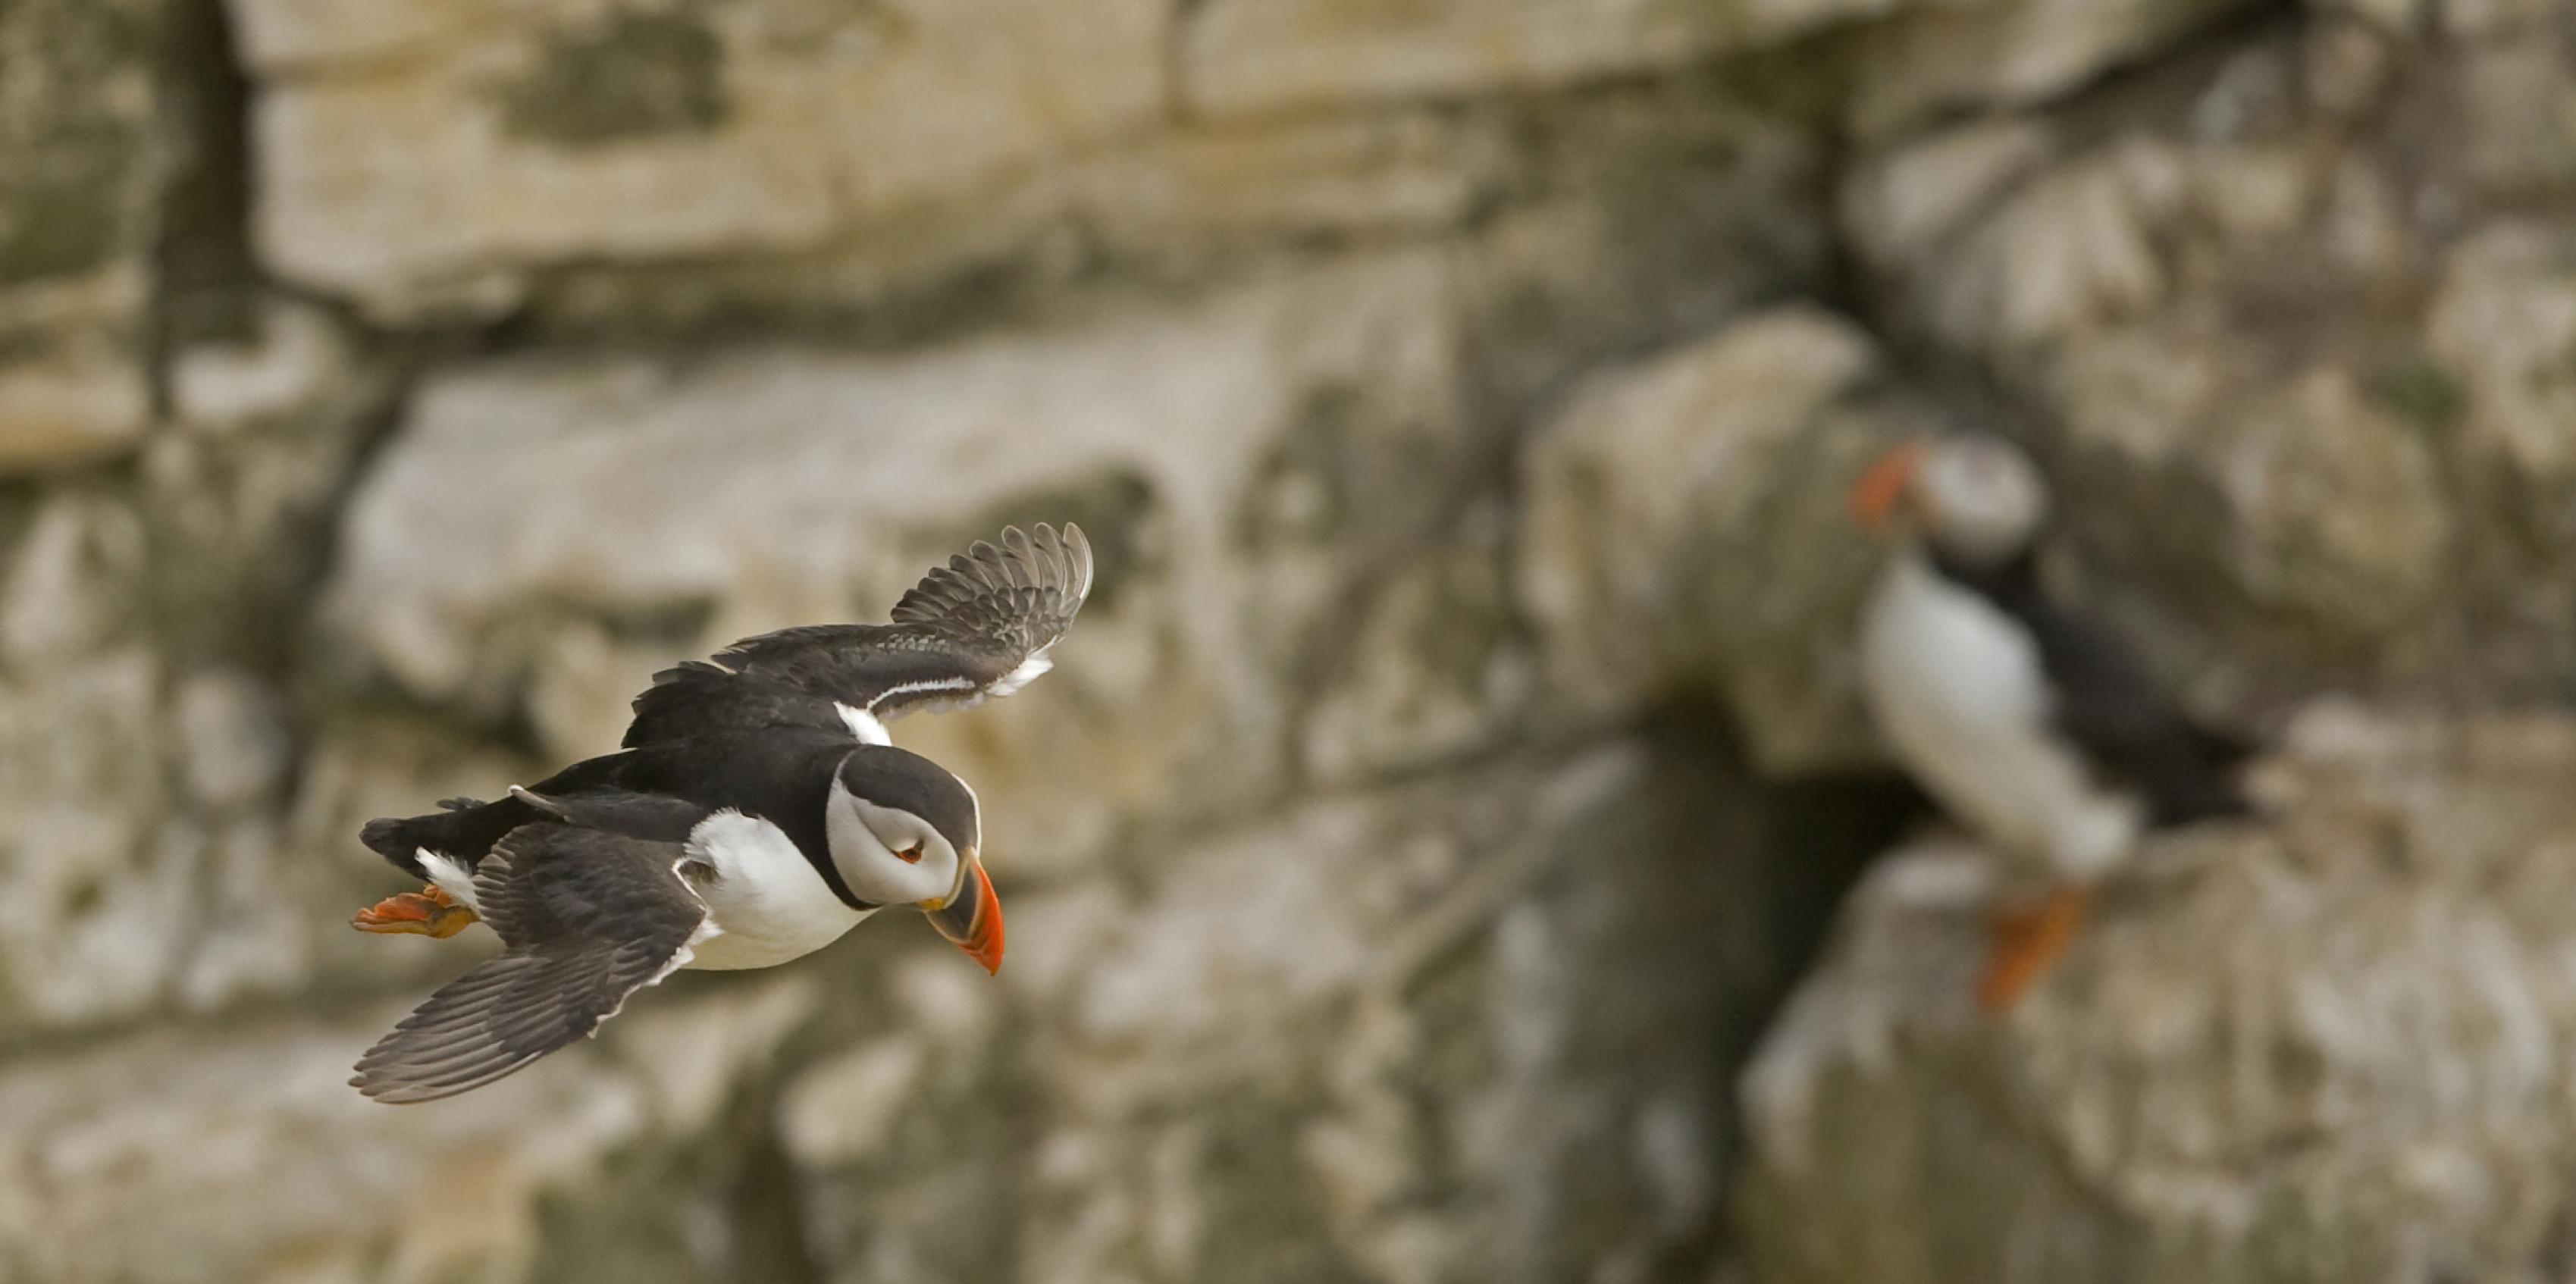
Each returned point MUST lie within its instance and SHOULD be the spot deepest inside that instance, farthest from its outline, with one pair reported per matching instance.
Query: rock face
(2321, 1049)
(1458, 760)
(425, 169)
(1689, 497)
(76, 191)
(1351, 1043)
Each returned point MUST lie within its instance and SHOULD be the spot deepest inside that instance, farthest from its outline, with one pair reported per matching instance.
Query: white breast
(765, 902)
(1958, 690)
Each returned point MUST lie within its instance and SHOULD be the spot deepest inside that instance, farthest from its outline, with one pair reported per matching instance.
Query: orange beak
(972, 919)
(1875, 496)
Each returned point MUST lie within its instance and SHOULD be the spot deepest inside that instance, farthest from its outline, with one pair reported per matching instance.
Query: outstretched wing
(975, 628)
(590, 917)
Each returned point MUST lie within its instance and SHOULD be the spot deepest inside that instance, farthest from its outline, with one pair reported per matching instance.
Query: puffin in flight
(2026, 723)
(757, 811)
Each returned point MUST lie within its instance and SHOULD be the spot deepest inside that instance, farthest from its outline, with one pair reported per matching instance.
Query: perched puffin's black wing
(2111, 708)
(975, 628)
(2131, 731)
(590, 917)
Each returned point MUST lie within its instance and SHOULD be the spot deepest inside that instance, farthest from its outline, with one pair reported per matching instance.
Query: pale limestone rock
(779, 487)
(2310, 495)
(2339, 509)
(232, 736)
(2366, 229)
(844, 1110)
(2072, 249)
(290, 36)
(1670, 209)
(238, 1152)
(2347, 65)
(1429, 673)
(1273, 920)
(513, 140)
(298, 364)
(240, 493)
(2475, 19)
(405, 191)
(90, 897)
(1247, 57)
(1398, 170)
(2214, 315)
(84, 403)
(77, 179)
(1256, 1025)
(2319, 1049)
(262, 926)
(70, 586)
(1363, 1037)
(1650, 482)
(1906, 203)
(2504, 325)
(694, 1057)
(583, 684)
(932, 100)
(1934, 57)
(2405, 16)
(2520, 101)
(2254, 190)
(2142, 395)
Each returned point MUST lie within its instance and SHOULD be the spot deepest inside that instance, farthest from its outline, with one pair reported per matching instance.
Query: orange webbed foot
(428, 912)
(2027, 941)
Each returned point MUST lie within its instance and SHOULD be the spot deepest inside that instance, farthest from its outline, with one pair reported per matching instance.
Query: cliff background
(1449, 849)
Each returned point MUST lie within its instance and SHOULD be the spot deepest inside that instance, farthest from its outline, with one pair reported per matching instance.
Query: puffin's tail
(462, 830)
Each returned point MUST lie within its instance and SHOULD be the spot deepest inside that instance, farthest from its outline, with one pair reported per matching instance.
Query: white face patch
(865, 840)
(766, 903)
(1982, 497)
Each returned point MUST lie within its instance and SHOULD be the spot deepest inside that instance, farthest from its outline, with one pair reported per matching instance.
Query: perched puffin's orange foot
(2027, 941)
(427, 912)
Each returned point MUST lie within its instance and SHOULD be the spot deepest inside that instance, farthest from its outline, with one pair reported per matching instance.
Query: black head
(1976, 499)
(905, 831)
(904, 781)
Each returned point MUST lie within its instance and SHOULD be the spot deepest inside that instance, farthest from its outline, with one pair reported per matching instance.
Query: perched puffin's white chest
(765, 902)
(1958, 690)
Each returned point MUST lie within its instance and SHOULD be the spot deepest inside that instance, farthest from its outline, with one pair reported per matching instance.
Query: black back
(782, 775)
(2131, 733)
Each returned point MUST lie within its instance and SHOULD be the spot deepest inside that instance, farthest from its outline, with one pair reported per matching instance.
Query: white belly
(1957, 689)
(765, 902)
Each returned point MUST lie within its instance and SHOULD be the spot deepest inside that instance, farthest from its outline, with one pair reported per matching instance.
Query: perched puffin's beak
(971, 916)
(1874, 498)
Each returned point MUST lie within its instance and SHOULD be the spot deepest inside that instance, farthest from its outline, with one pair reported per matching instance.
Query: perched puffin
(2026, 723)
(757, 811)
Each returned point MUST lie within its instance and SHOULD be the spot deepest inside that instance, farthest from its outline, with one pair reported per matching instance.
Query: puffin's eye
(910, 855)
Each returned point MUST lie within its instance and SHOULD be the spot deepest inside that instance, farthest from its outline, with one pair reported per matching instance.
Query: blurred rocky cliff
(1457, 766)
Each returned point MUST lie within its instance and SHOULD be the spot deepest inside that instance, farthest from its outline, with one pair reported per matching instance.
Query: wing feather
(975, 628)
(589, 916)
